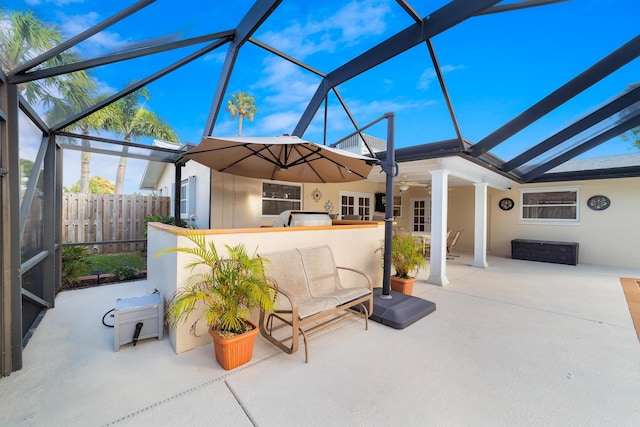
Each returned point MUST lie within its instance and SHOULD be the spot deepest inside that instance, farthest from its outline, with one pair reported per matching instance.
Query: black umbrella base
(401, 310)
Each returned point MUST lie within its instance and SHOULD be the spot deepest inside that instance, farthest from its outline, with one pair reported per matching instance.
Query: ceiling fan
(404, 185)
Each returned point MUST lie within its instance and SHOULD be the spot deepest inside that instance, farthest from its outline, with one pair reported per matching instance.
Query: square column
(480, 226)
(439, 212)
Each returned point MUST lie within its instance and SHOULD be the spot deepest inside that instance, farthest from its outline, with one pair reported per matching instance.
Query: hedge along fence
(90, 218)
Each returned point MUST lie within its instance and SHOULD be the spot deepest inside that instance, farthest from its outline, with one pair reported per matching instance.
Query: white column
(439, 211)
(480, 226)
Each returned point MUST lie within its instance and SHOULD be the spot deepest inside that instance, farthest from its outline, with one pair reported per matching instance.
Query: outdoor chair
(426, 244)
(452, 244)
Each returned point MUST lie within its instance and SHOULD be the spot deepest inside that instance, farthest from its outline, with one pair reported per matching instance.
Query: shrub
(163, 219)
(126, 272)
(74, 259)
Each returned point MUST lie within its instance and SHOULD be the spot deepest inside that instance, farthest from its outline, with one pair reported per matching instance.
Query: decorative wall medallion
(599, 202)
(506, 204)
(316, 195)
(328, 206)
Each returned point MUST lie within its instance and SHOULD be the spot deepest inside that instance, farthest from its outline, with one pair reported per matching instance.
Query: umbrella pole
(390, 168)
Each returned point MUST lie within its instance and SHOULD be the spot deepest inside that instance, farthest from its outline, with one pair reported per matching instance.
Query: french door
(360, 204)
(420, 215)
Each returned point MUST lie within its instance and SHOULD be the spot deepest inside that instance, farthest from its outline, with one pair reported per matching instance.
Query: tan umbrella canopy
(281, 158)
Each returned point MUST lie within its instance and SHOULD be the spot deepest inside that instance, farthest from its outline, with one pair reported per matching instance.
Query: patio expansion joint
(196, 388)
(244, 408)
(538, 309)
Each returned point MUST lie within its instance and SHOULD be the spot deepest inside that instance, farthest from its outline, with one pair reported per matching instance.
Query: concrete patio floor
(517, 344)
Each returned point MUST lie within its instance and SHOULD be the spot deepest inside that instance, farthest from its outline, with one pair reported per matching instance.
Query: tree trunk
(240, 117)
(84, 172)
(122, 167)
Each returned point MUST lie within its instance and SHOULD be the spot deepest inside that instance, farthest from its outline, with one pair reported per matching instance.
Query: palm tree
(23, 36)
(63, 109)
(126, 117)
(242, 104)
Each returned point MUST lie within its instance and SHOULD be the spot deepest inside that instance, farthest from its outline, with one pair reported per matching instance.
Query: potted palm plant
(406, 257)
(225, 289)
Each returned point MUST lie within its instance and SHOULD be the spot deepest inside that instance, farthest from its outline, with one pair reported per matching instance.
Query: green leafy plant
(228, 287)
(406, 255)
(74, 260)
(126, 272)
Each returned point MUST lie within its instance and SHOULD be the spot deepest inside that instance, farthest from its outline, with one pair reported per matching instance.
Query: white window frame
(356, 206)
(273, 197)
(188, 195)
(427, 215)
(551, 221)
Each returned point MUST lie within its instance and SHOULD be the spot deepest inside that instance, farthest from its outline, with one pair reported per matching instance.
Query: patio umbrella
(281, 158)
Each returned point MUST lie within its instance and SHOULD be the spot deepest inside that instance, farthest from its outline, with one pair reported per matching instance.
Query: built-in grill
(302, 219)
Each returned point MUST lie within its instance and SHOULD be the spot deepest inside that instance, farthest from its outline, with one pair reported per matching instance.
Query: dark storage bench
(545, 251)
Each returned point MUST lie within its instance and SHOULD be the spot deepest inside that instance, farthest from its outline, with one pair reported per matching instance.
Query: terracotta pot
(235, 351)
(402, 285)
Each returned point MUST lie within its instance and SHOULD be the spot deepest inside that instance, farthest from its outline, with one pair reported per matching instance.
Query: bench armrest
(362, 273)
(287, 295)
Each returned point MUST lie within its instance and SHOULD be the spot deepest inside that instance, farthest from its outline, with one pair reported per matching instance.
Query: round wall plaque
(316, 195)
(506, 204)
(599, 202)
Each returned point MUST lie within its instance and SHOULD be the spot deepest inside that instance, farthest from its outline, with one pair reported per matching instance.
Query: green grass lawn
(111, 262)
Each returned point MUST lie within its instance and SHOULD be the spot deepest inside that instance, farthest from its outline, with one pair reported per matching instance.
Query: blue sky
(495, 67)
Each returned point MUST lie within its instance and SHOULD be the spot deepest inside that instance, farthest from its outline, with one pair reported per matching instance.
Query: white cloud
(278, 123)
(54, 2)
(284, 91)
(348, 26)
(98, 44)
(358, 18)
(286, 83)
(429, 75)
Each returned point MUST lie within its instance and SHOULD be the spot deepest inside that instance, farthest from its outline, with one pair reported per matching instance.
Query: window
(188, 198)
(419, 217)
(360, 204)
(397, 206)
(184, 199)
(558, 204)
(278, 197)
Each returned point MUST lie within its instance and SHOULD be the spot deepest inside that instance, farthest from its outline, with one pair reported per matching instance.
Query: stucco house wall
(202, 189)
(606, 237)
(236, 201)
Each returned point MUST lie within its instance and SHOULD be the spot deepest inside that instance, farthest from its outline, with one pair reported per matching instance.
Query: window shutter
(191, 185)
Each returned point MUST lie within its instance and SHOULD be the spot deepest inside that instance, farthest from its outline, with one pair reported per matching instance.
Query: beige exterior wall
(608, 237)
(236, 202)
(461, 210)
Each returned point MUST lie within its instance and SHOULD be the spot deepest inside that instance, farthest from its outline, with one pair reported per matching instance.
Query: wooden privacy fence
(90, 218)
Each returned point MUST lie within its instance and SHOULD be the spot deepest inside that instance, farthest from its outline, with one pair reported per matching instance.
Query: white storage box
(147, 309)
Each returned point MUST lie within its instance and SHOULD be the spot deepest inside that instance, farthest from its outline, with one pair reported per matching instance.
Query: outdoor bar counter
(354, 244)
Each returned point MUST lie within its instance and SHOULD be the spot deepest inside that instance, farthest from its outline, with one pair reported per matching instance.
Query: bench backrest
(321, 271)
(287, 270)
(305, 272)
